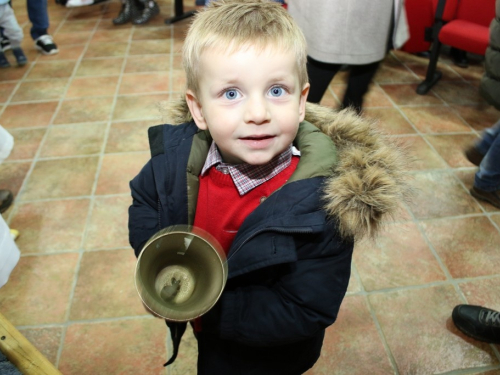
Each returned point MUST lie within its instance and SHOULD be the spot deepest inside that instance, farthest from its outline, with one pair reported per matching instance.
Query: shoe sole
(53, 52)
(483, 198)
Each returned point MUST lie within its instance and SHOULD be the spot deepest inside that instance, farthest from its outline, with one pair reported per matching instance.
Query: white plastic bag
(6, 144)
(9, 253)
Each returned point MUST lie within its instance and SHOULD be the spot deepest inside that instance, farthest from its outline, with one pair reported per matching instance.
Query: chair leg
(432, 75)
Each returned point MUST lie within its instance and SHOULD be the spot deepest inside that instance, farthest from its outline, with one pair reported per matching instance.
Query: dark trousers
(321, 74)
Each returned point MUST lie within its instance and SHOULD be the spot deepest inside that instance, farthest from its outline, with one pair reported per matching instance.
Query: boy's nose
(256, 111)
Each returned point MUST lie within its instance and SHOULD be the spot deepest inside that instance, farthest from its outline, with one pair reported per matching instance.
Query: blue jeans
(488, 175)
(39, 17)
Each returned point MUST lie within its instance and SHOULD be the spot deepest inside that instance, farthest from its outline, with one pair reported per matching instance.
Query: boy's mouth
(256, 137)
(257, 141)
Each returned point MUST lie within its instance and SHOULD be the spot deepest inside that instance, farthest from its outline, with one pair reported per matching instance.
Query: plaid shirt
(246, 176)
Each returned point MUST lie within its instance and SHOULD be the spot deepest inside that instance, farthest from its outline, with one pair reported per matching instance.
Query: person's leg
(320, 75)
(13, 31)
(487, 180)
(357, 86)
(39, 17)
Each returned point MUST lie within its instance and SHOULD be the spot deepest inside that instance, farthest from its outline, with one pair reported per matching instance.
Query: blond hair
(233, 24)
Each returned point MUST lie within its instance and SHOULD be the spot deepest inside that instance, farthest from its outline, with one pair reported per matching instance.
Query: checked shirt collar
(246, 176)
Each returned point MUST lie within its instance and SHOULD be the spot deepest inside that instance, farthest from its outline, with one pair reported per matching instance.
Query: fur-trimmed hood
(369, 182)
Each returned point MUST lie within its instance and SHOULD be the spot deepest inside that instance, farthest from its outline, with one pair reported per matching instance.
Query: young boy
(13, 31)
(284, 202)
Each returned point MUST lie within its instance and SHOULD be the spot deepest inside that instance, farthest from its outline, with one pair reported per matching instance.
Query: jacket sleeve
(302, 303)
(144, 219)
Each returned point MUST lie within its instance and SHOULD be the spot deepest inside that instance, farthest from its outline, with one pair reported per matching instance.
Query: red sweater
(220, 209)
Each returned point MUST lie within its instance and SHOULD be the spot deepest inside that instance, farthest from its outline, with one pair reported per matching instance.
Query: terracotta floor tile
(439, 194)
(45, 228)
(68, 52)
(329, 100)
(100, 67)
(405, 95)
(149, 47)
(420, 69)
(104, 49)
(72, 140)
(108, 227)
(185, 362)
(391, 262)
(472, 72)
(6, 89)
(457, 93)
(12, 175)
(14, 74)
(421, 155)
(84, 110)
(29, 299)
(77, 26)
(496, 219)
(179, 81)
(117, 170)
(40, 90)
(144, 83)
(111, 35)
(26, 143)
(52, 69)
(105, 286)
(389, 120)
(148, 33)
(393, 71)
(451, 148)
(467, 177)
(61, 178)
(436, 346)
(140, 107)
(129, 136)
(46, 340)
(479, 116)
(81, 87)
(69, 38)
(28, 115)
(375, 97)
(479, 292)
(148, 63)
(469, 247)
(438, 119)
(123, 347)
(354, 284)
(352, 345)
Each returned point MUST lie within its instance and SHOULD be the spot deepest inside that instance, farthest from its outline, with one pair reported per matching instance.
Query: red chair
(463, 24)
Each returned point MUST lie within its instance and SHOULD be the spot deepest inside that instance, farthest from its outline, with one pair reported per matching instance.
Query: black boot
(125, 13)
(151, 9)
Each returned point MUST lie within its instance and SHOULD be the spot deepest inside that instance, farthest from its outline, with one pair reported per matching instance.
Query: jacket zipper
(270, 229)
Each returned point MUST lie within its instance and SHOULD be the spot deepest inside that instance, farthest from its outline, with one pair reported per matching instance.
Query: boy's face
(250, 101)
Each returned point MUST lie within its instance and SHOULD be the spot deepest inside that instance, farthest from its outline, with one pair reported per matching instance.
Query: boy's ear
(302, 103)
(196, 110)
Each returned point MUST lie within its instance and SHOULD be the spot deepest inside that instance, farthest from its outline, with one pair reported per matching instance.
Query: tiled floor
(79, 120)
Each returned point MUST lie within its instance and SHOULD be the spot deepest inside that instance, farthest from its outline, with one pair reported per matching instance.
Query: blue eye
(231, 94)
(276, 91)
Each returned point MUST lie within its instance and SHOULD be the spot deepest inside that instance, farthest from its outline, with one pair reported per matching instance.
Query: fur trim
(369, 183)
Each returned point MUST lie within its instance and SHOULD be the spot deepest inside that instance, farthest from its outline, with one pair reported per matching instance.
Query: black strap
(176, 332)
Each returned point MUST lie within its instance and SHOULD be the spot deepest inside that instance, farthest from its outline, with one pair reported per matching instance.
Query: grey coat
(350, 31)
(490, 83)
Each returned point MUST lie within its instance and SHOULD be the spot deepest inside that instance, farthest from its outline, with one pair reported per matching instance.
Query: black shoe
(6, 199)
(478, 322)
(492, 197)
(459, 57)
(474, 156)
(20, 56)
(125, 14)
(5, 43)
(4, 63)
(149, 12)
(45, 44)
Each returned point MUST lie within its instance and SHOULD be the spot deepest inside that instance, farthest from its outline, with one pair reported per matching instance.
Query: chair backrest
(476, 11)
(450, 9)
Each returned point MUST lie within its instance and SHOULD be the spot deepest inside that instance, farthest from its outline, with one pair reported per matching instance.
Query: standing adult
(356, 33)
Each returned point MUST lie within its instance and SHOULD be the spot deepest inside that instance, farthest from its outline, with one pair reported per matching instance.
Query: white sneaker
(45, 44)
